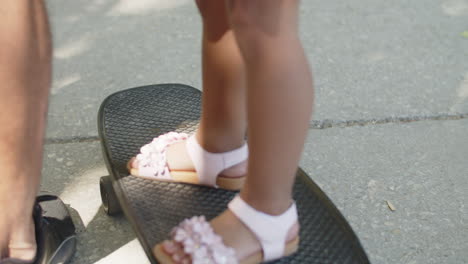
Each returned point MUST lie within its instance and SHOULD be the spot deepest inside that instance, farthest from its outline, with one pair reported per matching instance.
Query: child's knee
(214, 17)
(261, 23)
(241, 14)
(211, 9)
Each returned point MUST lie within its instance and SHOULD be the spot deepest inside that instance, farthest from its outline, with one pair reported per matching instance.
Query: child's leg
(224, 120)
(280, 98)
(223, 123)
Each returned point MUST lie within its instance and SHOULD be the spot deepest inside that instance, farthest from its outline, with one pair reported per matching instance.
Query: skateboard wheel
(109, 199)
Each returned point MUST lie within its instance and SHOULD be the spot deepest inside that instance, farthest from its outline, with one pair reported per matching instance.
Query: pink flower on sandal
(152, 158)
(200, 241)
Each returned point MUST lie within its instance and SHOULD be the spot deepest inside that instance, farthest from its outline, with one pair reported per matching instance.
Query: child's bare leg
(224, 121)
(25, 72)
(280, 98)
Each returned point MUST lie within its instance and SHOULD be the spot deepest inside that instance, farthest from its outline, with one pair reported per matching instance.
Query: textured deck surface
(131, 118)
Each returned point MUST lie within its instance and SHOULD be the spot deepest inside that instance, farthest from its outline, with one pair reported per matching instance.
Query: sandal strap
(271, 231)
(209, 165)
(202, 244)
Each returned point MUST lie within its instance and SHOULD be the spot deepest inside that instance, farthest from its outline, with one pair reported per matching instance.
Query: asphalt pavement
(390, 125)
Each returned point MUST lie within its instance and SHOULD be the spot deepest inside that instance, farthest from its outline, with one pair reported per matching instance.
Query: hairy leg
(25, 74)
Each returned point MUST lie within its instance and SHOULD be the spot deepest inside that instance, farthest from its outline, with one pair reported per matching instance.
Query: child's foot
(240, 242)
(179, 158)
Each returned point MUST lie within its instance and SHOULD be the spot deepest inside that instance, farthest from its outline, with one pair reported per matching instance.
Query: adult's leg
(25, 73)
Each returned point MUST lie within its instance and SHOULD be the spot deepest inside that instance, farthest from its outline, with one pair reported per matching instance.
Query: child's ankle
(219, 142)
(271, 206)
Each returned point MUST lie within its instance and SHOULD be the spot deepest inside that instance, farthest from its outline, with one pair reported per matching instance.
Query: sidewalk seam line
(315, 124)
(52, 141)
(327, 123)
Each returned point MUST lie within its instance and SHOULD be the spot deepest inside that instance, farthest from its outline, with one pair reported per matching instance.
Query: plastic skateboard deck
(131, 118)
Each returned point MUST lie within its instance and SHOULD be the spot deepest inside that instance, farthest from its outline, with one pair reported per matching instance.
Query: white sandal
(204, 246)
(152, 163)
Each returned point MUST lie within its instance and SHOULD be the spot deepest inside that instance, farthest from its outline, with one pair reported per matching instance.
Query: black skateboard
(131, 118)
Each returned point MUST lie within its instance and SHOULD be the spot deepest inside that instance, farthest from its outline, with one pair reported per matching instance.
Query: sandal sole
(191, 177)
(290, 248)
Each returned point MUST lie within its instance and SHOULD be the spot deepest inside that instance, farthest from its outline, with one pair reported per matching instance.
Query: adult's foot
(17, 230)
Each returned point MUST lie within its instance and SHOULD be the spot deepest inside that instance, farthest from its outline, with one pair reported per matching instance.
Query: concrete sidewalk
(391, 120)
